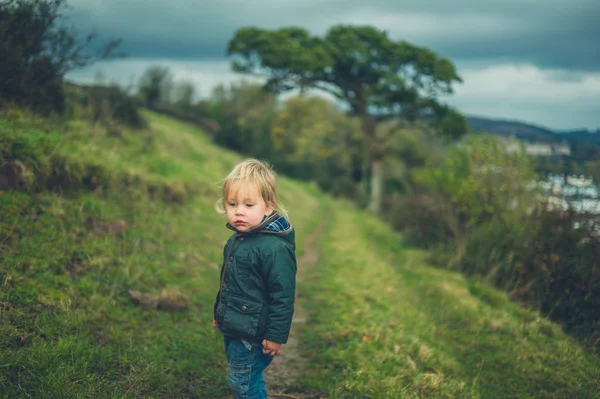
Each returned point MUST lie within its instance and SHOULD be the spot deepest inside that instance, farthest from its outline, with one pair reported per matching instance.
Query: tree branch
(330, 91)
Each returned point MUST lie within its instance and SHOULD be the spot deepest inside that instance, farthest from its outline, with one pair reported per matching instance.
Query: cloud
(204, 75)
(528, 93)
(552, 34)
(525, 59)
(524, 92)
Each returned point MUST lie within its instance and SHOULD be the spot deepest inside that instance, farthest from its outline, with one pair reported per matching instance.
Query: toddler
(255, 302)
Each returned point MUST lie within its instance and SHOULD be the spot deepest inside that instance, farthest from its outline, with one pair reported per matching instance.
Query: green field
(97, 216)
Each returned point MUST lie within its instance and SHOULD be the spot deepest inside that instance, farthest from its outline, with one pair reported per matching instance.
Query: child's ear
(269, 210)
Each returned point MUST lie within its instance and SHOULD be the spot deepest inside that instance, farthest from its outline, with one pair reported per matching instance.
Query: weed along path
(282, 371)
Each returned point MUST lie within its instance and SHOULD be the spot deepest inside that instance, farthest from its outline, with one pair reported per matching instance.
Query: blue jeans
(246, 365)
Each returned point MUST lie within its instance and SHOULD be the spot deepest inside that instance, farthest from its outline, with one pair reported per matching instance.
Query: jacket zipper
(225, 271)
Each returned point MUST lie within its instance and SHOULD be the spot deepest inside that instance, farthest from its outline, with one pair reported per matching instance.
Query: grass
(384, 324)
(68, 327)
(98, 215)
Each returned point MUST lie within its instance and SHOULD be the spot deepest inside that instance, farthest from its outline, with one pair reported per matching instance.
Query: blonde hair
(255, 173)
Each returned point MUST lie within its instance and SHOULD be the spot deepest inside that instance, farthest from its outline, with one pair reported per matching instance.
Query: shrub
(560, 274)
(477, 205)
(37, 52)
(110, 106)
(427, 219)
(494, 251)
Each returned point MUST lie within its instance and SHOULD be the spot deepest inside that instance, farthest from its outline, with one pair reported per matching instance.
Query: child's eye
(249, 205)
(230, 204)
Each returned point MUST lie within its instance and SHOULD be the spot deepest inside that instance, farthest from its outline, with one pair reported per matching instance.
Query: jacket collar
(281, 227)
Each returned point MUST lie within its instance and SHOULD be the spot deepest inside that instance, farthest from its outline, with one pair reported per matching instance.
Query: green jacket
(258, 281)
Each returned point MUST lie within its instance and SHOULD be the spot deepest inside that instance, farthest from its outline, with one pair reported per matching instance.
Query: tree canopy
(155, 85)
(37, 50)
(357, 64)
(377, 77)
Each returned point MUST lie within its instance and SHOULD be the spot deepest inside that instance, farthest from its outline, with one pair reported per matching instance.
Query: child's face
(246, 208)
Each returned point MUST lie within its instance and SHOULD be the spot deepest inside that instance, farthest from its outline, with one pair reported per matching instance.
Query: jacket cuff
(276, 338)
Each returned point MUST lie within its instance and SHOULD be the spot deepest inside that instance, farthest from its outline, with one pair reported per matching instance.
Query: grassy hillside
(68, 260)
(386, 325)
(85, 218)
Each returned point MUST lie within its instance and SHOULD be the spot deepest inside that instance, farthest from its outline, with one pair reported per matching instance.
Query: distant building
(542, 149)
(538, 149)
(561, 149)
(578, 192)
(580, 181)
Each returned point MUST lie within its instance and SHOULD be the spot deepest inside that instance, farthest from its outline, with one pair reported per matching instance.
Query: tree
(37, 51)
(592, 169)
(488, 188)
(450, 124)
(155, 85)
(244, 112)
(112, 107)
(183, 95)
(483, 179)
(320, 143)
(377, 77)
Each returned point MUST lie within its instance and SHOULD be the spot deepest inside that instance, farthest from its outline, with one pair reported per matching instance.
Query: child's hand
(271, 348)
(214, 323)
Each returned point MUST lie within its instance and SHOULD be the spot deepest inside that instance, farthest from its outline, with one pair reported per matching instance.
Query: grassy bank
(69, 257)
(384, 324)
(91, 217)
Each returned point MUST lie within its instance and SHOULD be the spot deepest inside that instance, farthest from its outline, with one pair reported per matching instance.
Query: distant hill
(581, 136)
(529, 132)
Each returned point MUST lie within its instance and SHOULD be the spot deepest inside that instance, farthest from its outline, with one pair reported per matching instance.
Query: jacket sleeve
(225, 247)
(280, 271)
(215, 305)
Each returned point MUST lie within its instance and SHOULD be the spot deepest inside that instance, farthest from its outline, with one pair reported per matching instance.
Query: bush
(110, 106)
(494, 251)
(560, 274)
(427, 219)
(479, 183)
(37, 52)
(477, 205)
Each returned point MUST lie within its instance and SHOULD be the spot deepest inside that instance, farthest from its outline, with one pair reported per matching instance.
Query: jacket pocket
(242, 316)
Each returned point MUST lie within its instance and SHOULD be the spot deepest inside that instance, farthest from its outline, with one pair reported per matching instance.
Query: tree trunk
(376, 195)
(375, 160)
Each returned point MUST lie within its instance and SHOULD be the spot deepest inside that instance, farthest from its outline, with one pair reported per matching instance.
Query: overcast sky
(528, 60)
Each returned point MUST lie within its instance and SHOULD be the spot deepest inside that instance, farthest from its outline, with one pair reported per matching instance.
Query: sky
(526, 60)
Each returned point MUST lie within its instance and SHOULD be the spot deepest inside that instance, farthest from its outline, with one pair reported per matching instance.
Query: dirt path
(282, 370)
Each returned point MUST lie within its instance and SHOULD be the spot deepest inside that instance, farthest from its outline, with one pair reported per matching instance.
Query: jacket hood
(275, 224)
